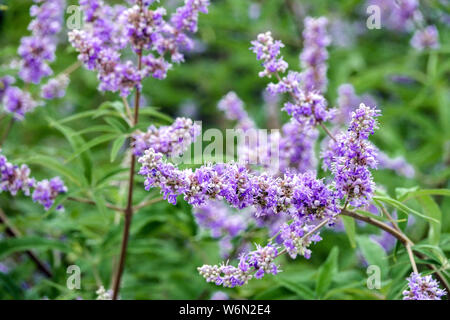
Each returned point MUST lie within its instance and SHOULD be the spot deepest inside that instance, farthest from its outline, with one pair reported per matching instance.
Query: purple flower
(310, 108)
(55, 88)
(268, 50)
(296, 194)
(256, 264)
(170, 140)
(38, 49)
(18, 102)
(14, 178)
(427, 38)
(234, 110)
(422, 288)
(109, 30)
(314, 55)
(292, 237)
(5, 83)
(351, 156)
(46, 192)
(397, 15)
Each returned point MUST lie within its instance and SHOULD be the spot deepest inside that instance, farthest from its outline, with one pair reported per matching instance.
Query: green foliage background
(166, 245)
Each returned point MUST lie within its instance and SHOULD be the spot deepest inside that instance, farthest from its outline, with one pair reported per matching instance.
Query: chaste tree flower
(109, 29)
(351, 156)
(422, 288)
(170, 140)
(14, 179)
(39, 49)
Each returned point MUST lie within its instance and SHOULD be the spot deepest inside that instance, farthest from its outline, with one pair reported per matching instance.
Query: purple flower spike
(422, 288)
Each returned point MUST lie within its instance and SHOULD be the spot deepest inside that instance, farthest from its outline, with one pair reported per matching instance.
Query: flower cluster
(309, 107)
(234, 110)
(14, 179)
(405, 15)
(5, 83)
(55, 87)
(18, 102)
(347, 102)
(351, 156)
(268, 50)
(422, 288)
(39, 48)
(256, 264)
(109, 29)
(314, 55)
(427, 38)
(294, 238)
(292, 193)
(46, 191)
(170, 140)
(308, 104)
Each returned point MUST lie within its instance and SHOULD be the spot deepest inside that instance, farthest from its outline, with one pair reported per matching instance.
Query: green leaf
(94, 142)
(403, 207)
(10, 287)
(350, 229)
(54, 165)
(12, 245)
(327, 272)
(424, 192)
(76, 142)
(402, 192)
(432, 210)
(301, 290)
(116, 124)
(151, 111)
(374, 254)
(117, 144)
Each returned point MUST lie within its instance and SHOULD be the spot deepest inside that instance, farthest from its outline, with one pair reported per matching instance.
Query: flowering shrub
(133, 198)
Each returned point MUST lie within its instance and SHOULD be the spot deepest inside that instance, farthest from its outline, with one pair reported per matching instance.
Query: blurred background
(166, 246)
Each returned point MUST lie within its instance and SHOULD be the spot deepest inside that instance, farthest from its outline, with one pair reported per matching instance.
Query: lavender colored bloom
(255, 264)
(268, 50)
(308, 104)
(309, 108)
(170, 140)
(348, 101)
(234, 110)
(14, 178)
(55, 88)
(314, 55)
(351, 156)
(292, 236)
(397, 15)
(427, 38)
(109, 29)
(300, 195)
(423, 288)
(39, 48)
(46, 192)
(157, 67)
(18, 102)
(5, 83)
(143, 26)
